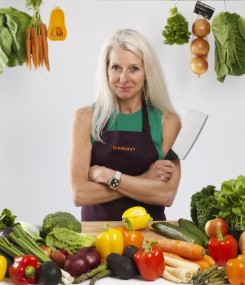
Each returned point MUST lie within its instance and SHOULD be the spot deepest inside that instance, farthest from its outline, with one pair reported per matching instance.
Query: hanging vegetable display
(176, 31)
(36, 38)
(200, 46)
(57, 28)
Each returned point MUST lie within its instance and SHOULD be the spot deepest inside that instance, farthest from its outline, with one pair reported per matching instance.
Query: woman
(119, 143)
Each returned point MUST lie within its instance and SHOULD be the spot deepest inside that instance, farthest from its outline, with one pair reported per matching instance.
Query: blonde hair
(155, 90)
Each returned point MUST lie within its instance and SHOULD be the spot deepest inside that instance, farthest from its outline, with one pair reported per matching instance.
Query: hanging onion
(199, 46)
(201, 28)
(198, 65)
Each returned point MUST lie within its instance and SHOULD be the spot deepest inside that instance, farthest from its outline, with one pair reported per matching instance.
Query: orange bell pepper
(235, 270)
(131, 237)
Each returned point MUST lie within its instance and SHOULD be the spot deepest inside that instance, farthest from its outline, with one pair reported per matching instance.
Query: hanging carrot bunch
(36, 38)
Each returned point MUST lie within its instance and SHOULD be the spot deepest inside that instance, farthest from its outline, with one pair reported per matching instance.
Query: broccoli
(60, 220)
(202, 207)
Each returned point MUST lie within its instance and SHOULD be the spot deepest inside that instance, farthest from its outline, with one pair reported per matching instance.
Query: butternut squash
(57, 29)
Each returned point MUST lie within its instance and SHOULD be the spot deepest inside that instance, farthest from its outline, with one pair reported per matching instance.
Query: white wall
(36, 107)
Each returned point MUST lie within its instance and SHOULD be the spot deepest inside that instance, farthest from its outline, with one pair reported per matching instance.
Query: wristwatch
(114, 182)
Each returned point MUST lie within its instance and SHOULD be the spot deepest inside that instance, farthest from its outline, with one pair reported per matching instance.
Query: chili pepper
(131, 237)
(24, 270)
(138, 217)
(150, 261)
(3, 267)
(235, 270)
(109, 241)
(221, 249)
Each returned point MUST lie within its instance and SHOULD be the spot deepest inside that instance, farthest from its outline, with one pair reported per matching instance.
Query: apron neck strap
(146, 124)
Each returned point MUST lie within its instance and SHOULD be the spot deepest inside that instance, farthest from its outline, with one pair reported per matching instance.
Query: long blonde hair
(155, 90)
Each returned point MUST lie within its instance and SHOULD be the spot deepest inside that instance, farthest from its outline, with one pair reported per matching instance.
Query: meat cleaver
(190, 131)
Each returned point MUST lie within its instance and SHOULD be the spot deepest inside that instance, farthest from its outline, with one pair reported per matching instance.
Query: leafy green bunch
(13, 24)
(176, 31)
(7, 219)
(229, 33)
(202, 206)
(231, 202)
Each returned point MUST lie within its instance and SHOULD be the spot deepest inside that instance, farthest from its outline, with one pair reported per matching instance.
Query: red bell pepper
(24, 270)
(221, 249)
(150, 261)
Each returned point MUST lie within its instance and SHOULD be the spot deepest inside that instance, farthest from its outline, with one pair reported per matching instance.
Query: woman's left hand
(160, 170)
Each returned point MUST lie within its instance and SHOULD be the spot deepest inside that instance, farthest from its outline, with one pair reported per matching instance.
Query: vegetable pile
(176, 31)
(229, 33)
(13, 24)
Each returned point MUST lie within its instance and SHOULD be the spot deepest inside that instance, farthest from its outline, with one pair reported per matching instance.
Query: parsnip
(193, 267)
(166, 275)
(182, 273)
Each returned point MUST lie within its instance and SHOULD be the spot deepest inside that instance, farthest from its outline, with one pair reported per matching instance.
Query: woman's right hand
(160, 170)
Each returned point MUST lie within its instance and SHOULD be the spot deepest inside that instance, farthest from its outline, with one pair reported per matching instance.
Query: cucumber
(175, 232)
(193, 228)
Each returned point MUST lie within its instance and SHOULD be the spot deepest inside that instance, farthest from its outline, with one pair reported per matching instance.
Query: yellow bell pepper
(3, 267)
(138, 217)
(109, 241)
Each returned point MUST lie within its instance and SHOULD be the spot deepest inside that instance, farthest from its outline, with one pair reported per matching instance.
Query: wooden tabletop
(97, 227)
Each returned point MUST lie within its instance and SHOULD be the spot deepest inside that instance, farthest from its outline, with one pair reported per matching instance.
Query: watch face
(114, 182)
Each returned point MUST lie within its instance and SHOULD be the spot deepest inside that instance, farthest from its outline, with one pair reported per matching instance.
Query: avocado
(49, 273)
(121, 266)
(129, 251)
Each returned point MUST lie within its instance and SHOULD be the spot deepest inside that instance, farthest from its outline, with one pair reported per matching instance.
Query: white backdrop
(36, 106)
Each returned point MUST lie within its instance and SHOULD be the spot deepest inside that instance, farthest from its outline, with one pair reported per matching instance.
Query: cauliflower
(60, 220)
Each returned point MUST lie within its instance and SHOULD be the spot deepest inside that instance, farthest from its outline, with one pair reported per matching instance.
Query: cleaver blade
(189, 133)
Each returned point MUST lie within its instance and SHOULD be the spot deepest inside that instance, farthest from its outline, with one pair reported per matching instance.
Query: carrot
(201, 262)
(40, 49)
(43, 30)
(183, 273)
(182, 248)
(209, 259)
(204, 263)
(36, 41)
(33, 48)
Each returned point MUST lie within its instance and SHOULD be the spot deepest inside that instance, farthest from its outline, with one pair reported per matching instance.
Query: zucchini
(193, 228)
(175, 232)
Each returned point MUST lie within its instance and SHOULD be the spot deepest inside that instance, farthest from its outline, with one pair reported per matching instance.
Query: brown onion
(199, 65)
(201, 28)
(199, 46)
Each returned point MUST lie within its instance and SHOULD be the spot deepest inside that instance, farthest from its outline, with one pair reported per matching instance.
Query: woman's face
(126, 74)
